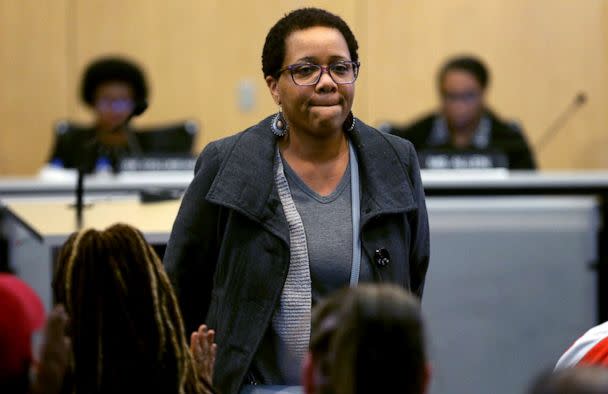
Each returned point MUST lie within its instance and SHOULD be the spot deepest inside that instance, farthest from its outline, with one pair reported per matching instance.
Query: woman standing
(305, 202)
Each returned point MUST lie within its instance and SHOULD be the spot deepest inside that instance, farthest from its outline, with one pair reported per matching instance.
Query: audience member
(21, 316)
(577, 380)
(589, 349)
(368, 339)
(125, 324)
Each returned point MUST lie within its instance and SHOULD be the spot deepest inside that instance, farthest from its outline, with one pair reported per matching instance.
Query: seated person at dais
(465, 133)
(111, 88)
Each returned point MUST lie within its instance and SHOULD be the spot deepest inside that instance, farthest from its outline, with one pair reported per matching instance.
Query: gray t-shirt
(328, 227)
(329, 233)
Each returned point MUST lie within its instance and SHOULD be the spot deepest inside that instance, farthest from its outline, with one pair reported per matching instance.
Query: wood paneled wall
(33, 86)
(200, 54)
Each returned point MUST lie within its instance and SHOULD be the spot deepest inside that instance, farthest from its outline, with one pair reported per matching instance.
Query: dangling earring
(279, 124)
(349, 123)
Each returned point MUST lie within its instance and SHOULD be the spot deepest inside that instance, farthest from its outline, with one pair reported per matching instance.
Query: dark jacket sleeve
(521, 156)
(417, 132)
(191, 254)
(510, 138)
(419, 224)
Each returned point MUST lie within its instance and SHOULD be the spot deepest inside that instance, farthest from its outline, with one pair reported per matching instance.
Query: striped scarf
(291, 320)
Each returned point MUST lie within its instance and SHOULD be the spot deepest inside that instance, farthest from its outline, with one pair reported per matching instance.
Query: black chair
(170, 140)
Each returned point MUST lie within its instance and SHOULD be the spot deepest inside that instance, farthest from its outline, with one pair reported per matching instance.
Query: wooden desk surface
(53, 221)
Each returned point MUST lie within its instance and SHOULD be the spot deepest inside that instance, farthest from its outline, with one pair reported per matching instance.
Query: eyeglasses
(116, 105)
(464, 97)
(307, 74)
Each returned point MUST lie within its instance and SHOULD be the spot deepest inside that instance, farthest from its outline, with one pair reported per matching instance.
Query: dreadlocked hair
(125, 325)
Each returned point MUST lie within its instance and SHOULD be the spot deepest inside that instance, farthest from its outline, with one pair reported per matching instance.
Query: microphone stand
(79, 197)
(85, 167)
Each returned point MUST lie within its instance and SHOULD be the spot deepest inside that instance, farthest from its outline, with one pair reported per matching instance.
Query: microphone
(579, 100)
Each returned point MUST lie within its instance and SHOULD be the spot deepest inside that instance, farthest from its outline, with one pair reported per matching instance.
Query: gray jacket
(228, 253)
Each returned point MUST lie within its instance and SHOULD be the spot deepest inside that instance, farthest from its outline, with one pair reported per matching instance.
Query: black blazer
(228, 253)
(505, 138)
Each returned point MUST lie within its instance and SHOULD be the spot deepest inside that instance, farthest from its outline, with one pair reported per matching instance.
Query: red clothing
(590, 349)
(21, 314)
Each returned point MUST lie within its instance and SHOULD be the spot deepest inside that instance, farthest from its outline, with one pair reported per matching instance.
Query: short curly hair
(109, 69)
(273, 53)
(469, 64)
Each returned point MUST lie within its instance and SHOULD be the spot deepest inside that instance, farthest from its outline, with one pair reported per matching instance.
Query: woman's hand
(54, 354)
(203, 350)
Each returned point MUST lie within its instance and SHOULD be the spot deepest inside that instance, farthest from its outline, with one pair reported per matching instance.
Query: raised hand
(203, 348)
(54, 354)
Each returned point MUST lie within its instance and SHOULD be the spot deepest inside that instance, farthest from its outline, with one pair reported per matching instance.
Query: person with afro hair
(112, 88)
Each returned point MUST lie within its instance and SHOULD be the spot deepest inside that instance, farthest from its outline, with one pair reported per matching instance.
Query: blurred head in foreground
(368, 339)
